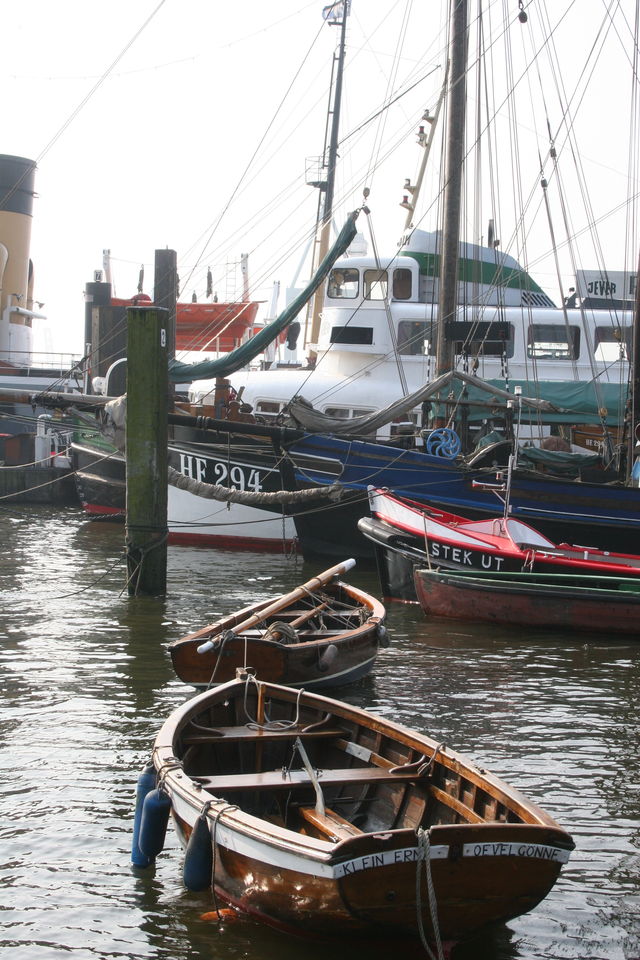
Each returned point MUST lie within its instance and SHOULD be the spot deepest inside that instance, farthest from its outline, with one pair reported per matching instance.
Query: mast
(452, 194)
(634, 403)
(336, 15)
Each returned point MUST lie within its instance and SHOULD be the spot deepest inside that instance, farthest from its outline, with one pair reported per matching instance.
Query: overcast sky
(188, 123)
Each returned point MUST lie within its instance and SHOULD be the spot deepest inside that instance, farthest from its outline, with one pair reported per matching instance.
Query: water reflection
(87, 682)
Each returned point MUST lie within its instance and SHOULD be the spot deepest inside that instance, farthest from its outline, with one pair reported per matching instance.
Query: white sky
(155, 155)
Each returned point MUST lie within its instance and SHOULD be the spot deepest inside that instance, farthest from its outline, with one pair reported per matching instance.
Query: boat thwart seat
(329, 824)
(291, 779)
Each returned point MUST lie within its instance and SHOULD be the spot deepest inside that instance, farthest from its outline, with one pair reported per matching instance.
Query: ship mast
(336, 15)
(452, 194)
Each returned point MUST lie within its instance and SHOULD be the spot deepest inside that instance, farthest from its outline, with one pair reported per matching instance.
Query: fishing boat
(406, 533)
(323, 633)
(607, 605)
(324, 820)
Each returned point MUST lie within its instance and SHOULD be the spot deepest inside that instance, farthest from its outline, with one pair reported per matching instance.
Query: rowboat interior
(274, 769)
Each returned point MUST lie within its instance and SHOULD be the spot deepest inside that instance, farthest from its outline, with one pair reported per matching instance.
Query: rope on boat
(225, 808)
(216, 491)
(171, 763)
(424, 854)
(270, 724)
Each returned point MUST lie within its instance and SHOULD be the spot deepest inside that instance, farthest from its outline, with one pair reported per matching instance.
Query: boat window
(351, 335)
(268, 408)
(345, 413)
(553, 341)
(612, 343)
(416, 337)
(376, 283)
(401, 284)
(480, 338)
(343, 283)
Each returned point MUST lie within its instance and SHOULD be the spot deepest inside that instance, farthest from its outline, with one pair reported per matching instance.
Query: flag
(335, 11)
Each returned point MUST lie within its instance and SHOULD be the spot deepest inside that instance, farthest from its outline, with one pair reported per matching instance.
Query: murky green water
(86, 684)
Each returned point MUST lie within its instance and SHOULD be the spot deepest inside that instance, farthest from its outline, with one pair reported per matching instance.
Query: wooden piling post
(146, 450)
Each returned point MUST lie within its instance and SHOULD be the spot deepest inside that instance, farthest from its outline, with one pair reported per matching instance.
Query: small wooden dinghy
(566, 601)
(321, 634)
(319, 818)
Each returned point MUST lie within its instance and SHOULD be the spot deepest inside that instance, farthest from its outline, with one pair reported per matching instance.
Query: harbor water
(87, 682)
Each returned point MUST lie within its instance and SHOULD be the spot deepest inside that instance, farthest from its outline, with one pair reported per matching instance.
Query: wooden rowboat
(322, 819)
(566, 601)
(321, 634)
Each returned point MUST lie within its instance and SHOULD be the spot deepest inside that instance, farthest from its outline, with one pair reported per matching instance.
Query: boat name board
(463, 557)
(386, 857)
(235, 475)
(530, 851)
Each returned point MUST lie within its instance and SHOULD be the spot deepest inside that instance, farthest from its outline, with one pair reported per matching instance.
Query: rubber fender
(328, 658)
(146, 783)
(198, 858)
(153, 825)
(383, 635)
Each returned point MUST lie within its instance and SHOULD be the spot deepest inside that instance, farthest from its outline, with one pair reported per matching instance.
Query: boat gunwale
(376, 617)
(467, 580)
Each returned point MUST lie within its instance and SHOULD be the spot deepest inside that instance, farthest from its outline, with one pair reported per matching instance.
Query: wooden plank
(260, 734)
(469, 815)
(329, 823)
(277, 780)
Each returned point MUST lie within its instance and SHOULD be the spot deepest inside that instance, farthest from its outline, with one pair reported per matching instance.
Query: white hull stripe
(385, 858)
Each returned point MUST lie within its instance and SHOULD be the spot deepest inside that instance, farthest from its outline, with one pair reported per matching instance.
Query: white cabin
(377, 337)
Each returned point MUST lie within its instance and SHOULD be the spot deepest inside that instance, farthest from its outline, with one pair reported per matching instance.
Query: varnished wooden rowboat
(564, 601)
(319, 818)
(321, 634)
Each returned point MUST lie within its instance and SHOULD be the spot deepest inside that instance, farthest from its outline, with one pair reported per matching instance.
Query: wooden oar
(287, 599)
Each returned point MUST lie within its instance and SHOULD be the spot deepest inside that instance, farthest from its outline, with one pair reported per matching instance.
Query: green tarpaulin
(240, 357)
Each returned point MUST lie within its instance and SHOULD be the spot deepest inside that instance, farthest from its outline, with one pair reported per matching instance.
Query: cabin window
(343, 284)
(402, 284)
(362, 335)
(553, 341)
(480, 338)
(376, 283)
(612, 343)
(269, 408)
(416, 338)
(346, 413)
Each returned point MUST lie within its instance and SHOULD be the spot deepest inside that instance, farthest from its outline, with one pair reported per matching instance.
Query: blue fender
(146, 783)
(198, 859)
(153, 824)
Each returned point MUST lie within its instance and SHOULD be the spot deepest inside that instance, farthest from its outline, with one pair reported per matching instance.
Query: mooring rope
(225, 808)
(424, 854)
